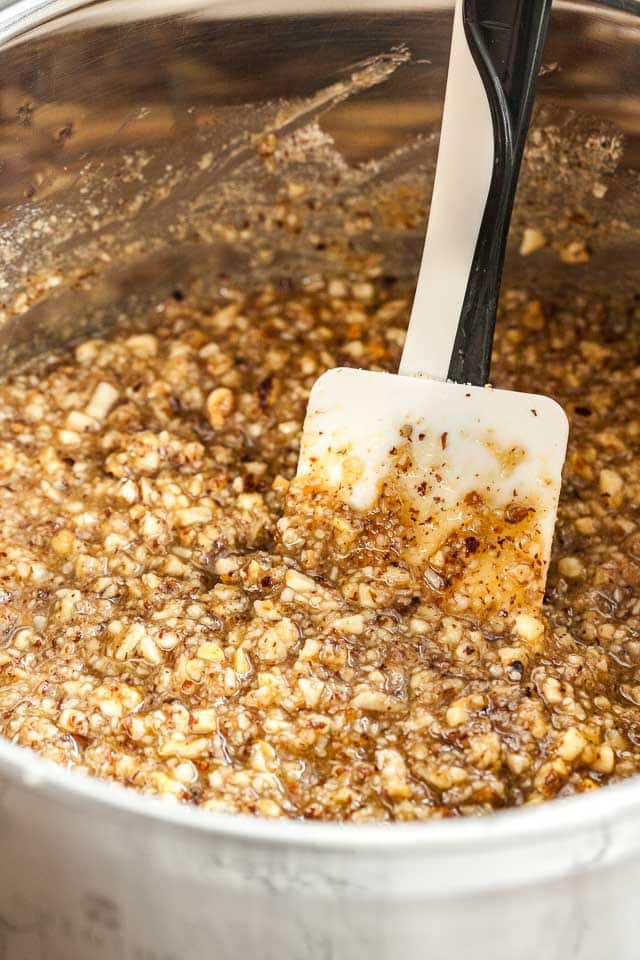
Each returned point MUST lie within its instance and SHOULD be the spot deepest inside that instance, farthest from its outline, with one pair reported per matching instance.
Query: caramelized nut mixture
(166, 625)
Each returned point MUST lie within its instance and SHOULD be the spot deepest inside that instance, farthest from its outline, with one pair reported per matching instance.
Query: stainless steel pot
(128, 165)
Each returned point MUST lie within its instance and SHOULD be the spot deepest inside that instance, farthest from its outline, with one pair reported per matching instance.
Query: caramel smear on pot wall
(166, 623)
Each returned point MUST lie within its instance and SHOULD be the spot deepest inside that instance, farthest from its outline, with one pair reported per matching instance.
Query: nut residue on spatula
(455, 482)
(485, 565)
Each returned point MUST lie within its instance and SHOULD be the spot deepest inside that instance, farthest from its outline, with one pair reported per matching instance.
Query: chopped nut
(103, 399)
(394, 774)
(204, 720)
(149, 650)
(177, 746)
(571, 567)
(192, 516)
(533, 317)
(486, 751)
(241, 662)
(277, 641)
(63, 543)
(551, 776)
(552, 690)
(267, 144)
(299, 582)
(528, 628)
(74, 721)
(143, 345)
(611, 483)
(220, 404)
(352, 625)
(312, 690)
(586, 525)
(605, 759)
(80, 422)
(372, 700)
(130, 641)
(571, 744)
(575, 252)
(210, 651)
(532, 240)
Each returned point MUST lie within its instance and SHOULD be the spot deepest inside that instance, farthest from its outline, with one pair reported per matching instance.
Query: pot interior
(145, 149)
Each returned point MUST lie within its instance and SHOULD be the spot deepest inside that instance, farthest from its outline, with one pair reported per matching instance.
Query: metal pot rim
(20, 16)
(557, 819)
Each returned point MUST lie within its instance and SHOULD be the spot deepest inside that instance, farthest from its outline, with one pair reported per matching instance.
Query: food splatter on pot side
(163, 623)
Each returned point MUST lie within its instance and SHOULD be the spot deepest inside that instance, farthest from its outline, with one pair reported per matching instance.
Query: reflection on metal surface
(129, 161)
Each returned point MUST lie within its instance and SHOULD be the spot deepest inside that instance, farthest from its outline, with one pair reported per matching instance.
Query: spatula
(471, 474)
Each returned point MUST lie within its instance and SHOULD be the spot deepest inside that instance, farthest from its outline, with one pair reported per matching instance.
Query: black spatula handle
(506, 39)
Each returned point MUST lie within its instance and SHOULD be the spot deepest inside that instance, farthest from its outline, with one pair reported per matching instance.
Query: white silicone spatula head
(471, 474)
(474, 474)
